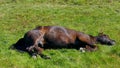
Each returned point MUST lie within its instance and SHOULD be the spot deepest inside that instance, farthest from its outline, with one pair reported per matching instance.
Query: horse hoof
(82, 49)
(34, 57)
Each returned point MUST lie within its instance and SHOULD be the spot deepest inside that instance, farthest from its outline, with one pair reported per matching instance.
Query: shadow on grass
(19, 46)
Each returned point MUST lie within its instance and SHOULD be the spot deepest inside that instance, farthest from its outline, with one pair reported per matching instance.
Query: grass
(91, 17)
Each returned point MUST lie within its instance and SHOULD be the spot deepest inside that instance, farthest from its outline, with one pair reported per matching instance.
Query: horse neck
(94, 39)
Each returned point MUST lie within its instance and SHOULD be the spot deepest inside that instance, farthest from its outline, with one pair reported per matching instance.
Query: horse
(54, 37)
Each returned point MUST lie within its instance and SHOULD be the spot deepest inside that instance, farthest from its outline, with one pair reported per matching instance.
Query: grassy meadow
(88, 16)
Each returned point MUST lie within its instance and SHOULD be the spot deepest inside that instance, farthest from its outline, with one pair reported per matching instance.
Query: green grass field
(88, 16)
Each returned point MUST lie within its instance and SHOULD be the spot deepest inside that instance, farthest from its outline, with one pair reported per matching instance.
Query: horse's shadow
(19, 45)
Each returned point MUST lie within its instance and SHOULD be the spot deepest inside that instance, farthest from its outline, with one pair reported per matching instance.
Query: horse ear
(101, 33)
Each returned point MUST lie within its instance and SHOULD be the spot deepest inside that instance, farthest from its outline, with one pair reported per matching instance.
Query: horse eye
(106, 36)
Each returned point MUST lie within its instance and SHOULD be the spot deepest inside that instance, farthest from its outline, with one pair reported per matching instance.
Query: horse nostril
(112, 42)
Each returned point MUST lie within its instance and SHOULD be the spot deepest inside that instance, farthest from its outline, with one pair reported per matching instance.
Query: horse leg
(39, 51)
(89, 48)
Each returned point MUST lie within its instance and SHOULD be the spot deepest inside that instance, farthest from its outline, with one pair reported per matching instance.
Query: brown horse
(44, 37)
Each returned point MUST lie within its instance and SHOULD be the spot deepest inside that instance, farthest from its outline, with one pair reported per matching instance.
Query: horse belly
(58, 40)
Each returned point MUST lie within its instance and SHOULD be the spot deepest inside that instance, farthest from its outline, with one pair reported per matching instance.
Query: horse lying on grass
(43, 37)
